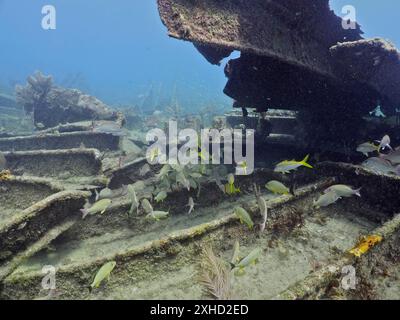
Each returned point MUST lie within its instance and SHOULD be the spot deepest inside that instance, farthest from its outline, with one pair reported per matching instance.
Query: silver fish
(379, 165)
(106, 193)
(326, 200)
(264, 213)
(385, 143)
(343, 191)
(366, 148)
(144, 170)
(139, 185)
(134, 199)
(157, 215)
(147, 207)
(161, 196)
(236, 253)
(377, 112)
(120, 192)
(164, 171)
(393, 157)
(262, 205)
(191, 205)
(98, 207)
(183, 180)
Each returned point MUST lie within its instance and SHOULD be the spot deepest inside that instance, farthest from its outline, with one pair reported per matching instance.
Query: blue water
(118, 50)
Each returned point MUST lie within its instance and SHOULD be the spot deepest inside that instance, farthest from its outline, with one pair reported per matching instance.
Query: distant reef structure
(295, 55)
(52, 105)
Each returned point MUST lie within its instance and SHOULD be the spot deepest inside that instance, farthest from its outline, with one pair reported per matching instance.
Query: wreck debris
(374, 62)
(52, 105)
(68, 140)
(55, 163)
(295, 55)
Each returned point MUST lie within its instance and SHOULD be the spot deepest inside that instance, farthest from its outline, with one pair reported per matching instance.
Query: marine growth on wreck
(131, 168)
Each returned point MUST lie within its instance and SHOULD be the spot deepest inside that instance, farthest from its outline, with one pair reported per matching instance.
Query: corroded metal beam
(298, 32)
(293, 53)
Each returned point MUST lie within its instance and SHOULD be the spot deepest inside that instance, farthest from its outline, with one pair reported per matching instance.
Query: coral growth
(52, 105)
(286, 223)
(214, 275)
(34, 93)
(5, 175)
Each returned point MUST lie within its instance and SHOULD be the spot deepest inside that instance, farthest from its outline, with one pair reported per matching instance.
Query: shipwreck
(294, 55)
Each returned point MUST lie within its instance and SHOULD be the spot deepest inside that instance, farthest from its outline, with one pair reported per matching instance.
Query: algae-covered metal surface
(55, 141)
(298, 33)
(300, 244)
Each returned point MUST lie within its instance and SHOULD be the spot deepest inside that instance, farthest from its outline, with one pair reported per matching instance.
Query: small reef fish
(218, 182)
(134, 199)
(244, 217)
(252, 258)
(385, 143)
(22, 225)
(39, 125)
(241, 168)
(365, 244)
(264, 215)
(139, 185)
(157, 215)
(144, 170)
(326, 199)
(147, 207)
(236, 254)
(164, 171)
(190, 205)
(393, 157)
(231, 178)
(104, 194)
(262, 205)
(277, 187)
(3, 162)
(180, 178)
(120, 192)
(103, 274)
(377, 112)
(98, 207)
(366, 148)
(161, 196)
(343, 191)
(287, 166)
(379, 165)
(230, 186)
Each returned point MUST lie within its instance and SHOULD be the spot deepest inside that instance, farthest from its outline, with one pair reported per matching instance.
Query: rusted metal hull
(286, 60)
